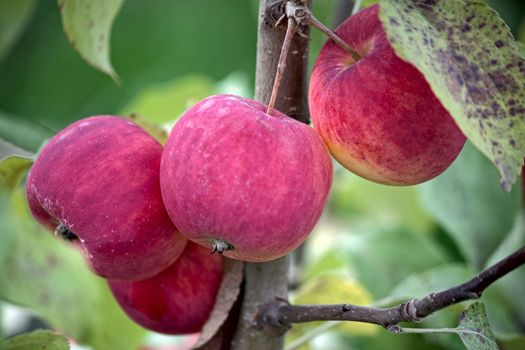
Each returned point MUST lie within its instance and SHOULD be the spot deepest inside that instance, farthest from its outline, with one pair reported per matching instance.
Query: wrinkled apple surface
(97, 182)
(378, 116)
(242, 182)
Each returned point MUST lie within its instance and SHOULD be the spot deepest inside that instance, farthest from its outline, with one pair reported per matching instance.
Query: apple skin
(178, 300)
(378, 116)
(99, 177)
(231, 174)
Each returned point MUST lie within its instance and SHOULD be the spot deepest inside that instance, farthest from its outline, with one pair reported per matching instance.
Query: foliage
(470, 59)
(48, 276)
(375, 244)
(36, 340)
(87, 25)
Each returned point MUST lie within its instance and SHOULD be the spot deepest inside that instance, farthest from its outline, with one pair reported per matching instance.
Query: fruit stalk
(265, 281)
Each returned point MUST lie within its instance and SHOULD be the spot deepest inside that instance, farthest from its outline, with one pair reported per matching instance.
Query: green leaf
(155, 130)
(148, 45)
(354, 198)
(444, 277)
(11, 170)
(52, 278)
(433, 280)
(512, 343)
(474, 320)
(375, 257)
(468, 203)
(23, 133)
(14, 15)
(510, 283)
(472, 63)
(332, 289)
(522, 48)
(163, 103)
(36, 340)
(87, 25)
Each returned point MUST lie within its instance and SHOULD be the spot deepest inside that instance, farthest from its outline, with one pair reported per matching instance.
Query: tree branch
(265, 281)
(279, 314)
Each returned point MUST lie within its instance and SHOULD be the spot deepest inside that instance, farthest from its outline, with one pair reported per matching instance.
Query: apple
(242, 182)
(378, 116)
(97, 183)
(178, 300)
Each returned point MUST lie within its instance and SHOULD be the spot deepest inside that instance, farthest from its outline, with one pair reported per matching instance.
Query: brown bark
(266, 281)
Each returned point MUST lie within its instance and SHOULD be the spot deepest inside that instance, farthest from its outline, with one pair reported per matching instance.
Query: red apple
(378, 115)
(243, 182)
(178, 300)
(97, 182)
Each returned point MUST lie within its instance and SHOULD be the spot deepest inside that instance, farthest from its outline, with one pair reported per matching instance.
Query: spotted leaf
(473, 65)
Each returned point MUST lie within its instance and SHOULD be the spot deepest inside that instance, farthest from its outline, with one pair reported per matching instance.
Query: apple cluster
(233, 179)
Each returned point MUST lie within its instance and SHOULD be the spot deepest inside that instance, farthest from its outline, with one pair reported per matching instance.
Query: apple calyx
(220, 246)
(63, 232)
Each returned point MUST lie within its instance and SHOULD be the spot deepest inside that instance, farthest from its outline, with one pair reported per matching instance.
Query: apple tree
(365, 194)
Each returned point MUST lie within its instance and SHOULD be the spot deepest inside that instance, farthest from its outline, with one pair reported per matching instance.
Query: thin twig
(281, 314)
(304, 16)
(290, 30)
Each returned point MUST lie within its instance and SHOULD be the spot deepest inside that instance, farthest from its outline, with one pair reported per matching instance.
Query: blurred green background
(375, 244)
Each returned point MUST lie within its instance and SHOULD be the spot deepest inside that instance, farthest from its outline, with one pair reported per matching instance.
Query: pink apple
(243, 182)
(178, 300)
(378, 115)
(97, 182)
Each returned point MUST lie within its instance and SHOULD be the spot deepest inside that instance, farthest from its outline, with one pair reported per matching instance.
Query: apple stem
(304, 16)
(290, 30)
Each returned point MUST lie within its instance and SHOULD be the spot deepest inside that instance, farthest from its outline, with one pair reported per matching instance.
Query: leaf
(468, 203)
(50, 277)
(334, 289)
(471, 61)
(510, 283)
(87, 25)
(155, 130)
(11, 170)
(23, 133)
(444, 277)
(226, 298)
(165, 102)
(43, 78)
(522, 48)
(36, 340)
(354, 198)
(513, 343)
(474, 319)
(433, 280)
(14, 16)
(375, 257)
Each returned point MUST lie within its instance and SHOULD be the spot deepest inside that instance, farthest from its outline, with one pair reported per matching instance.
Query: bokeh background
(374, 244)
